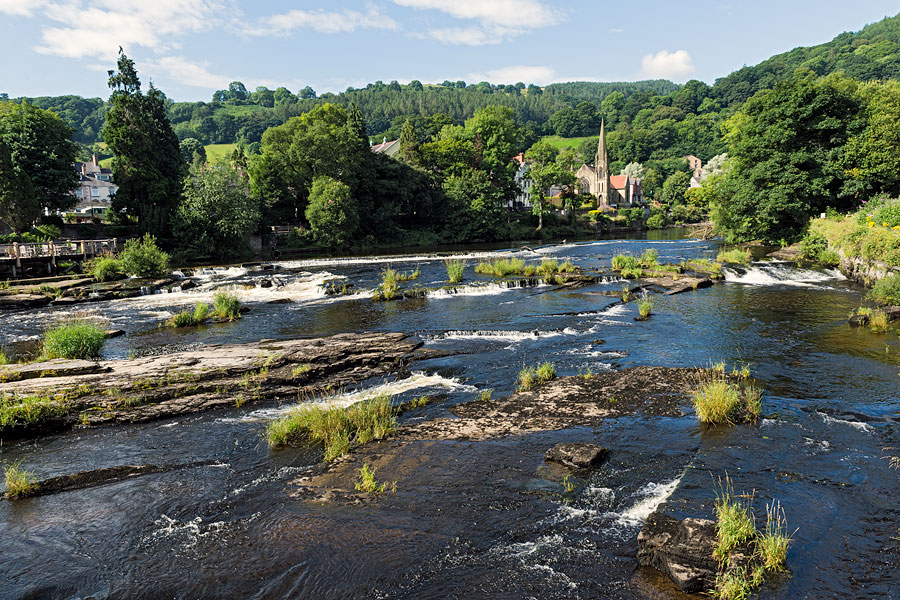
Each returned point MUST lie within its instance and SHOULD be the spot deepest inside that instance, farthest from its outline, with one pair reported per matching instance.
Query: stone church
(618, 191)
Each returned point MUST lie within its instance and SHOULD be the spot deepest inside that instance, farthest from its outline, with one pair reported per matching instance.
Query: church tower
(601, 167)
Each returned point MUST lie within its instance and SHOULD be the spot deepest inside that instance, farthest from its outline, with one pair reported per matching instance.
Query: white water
(501, 335)
(780, 274)
(485, 289)
(417, 381)
(655, 494)
(856, 424)
(378, 260)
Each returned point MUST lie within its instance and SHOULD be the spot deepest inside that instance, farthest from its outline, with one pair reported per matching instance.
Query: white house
(523, 183)
(95, 188)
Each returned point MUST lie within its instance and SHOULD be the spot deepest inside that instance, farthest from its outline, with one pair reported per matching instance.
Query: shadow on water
(478, 519)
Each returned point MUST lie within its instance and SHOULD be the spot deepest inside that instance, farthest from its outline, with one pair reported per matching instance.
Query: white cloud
(676, 65)
(98, 28)
(514, 74)
(497, 20)
(617, 30)
(187, 72)
(20, 8)
(321, 21)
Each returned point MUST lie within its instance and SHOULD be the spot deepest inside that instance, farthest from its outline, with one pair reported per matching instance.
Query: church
(611, 191)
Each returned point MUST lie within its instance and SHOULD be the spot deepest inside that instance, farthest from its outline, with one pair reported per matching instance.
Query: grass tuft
(737, 255)
(772, 544)
(645, 306)
(529, 377)
(502, 267)
(455, 268)
(19, 482)
(74, 338)
(721, 401)
(226, 306)
(366, 482)
(337, 429)
(734, 521)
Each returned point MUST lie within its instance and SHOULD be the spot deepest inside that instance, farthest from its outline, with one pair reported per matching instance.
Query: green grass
(75, 338)
(736, 255)
(704, 265)
(772, 544)
(645, 306)
(530, 377)
(4, 359)
(878, 321)
(502, 267)
(337, 429)
(485, 395)
(389, 286)
(216, 153)
(732, 585)
(226, 306)
(366, 482)
(19, 482)
(455, 268)
(187, 318)
(719, 401)
(302, 369)
(561, 143)
(734, 522)
(18, 410)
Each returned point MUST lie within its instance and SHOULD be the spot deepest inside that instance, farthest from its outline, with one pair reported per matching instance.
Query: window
(79, 193)
(95, 192)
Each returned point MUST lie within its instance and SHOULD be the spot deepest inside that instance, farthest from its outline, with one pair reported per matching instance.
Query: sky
(190, 48)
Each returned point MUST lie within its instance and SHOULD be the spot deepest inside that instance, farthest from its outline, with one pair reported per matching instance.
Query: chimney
(384, 140)
(95, 160)
(84, 169)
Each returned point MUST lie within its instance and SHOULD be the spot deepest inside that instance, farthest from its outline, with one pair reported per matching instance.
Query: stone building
(611, 191)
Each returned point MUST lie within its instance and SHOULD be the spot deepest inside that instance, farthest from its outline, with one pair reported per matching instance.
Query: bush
(77, 338)
(886, 291)
(105, 268)
(226, 306)
(455, 269)
(657, 221)
(143, 258)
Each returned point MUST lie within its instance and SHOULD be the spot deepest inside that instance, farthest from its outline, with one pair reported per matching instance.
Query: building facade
(95, 189)
(611, 191)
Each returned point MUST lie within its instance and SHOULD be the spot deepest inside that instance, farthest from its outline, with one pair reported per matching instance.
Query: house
(695, 164)
(523, 185)
(387, 148)
(95, 189)
(611, 191)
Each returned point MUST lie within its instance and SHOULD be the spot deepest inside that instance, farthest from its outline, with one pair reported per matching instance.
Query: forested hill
(241, 115)
(871, 53)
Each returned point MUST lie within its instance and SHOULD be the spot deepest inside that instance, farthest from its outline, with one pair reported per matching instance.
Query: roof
(520, 158)
(380, 148)
(618, 181)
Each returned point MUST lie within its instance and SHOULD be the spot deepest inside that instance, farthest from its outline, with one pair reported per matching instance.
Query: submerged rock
(672, 286)
(681, 549)
(23, 301)
(578, 456)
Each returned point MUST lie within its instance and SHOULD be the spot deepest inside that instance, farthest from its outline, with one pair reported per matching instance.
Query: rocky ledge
(51, 396)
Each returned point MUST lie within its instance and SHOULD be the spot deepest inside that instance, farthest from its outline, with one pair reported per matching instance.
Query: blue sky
(189, 48)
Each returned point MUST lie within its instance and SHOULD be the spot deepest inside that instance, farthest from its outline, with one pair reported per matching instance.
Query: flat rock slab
(22, 301)
(677, 286)
(578, 456)
(681, 549)
(59, 367)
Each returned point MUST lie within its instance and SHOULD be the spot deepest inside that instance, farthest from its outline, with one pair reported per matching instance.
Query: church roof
(618, 181)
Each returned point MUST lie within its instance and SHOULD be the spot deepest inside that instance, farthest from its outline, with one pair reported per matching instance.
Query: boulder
(188, 284)
(681, 549)
(578, 456)
(112, 333)
(22, 301)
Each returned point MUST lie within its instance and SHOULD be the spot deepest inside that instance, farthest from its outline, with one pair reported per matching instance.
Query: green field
(561, 142)
(219, 152)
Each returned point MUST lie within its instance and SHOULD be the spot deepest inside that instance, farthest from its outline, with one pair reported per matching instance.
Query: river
(228, 525)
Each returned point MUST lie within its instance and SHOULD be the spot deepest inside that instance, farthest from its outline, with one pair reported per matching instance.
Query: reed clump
(19, 482)
(530, 377)
(720, 400)
(739, 256)
(645, 306)
(455, 268)
(503, 267)
(76, 338)
(336, 428)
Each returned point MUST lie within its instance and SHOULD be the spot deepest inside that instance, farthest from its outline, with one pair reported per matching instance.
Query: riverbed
(478, 519)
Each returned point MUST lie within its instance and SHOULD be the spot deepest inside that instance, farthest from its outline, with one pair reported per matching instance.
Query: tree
(18, 205)
(332, 213)
(634, 169)
(216, 213)
(873, 156)
(545, 171)
(148, 165)
(41, 151)
(192, 151)
(409, 144)
(307, 93)
(237, 91)
(674, 188)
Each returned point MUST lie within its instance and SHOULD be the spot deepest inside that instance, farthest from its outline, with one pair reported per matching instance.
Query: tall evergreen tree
(148, 166)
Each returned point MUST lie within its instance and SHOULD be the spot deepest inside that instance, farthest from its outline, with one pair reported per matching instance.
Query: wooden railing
(70, 248)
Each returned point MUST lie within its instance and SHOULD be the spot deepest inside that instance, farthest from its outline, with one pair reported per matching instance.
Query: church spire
(601, 160)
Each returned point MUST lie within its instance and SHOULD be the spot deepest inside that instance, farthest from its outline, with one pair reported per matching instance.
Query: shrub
(455, 269)
(886, 291)
(105, 268)
(142, 258)
(226, 306)
(76, 338)
(657, 221)
(48, 231)
(19, 482)
(337, 429)
(736, 255)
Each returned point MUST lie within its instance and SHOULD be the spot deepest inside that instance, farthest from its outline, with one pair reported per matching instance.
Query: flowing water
(496, 523)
